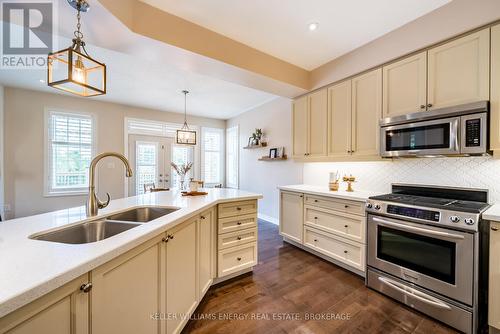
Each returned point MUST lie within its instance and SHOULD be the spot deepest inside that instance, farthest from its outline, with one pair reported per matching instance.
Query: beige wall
(457, 17)
(262, 176)
(24, 146)
(1, 155)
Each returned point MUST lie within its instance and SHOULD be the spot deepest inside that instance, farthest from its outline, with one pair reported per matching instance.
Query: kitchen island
(35, 269)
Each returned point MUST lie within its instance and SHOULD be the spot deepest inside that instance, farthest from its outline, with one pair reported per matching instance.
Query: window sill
(65, 193)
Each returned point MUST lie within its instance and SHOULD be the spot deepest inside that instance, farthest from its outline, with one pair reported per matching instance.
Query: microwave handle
(414, 293)
(417, 229)
(455, 134)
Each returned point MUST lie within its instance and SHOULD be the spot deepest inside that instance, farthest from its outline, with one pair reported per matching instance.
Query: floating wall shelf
(273, 159)
(255, 146)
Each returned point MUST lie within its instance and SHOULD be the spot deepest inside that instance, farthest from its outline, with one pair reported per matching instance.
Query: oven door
(434, 258)
(436, 137)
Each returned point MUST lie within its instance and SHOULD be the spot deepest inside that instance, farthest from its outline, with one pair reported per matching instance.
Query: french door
(150, 158)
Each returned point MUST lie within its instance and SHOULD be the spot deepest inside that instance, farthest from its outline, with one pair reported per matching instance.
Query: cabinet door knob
(315, 217)
(493, 228)
(346, 206)
(238, 223)
(164, 239)
(202, 217)
(315, 240)
(86, 287)
(170, 236)
(315, 201)
(239, 209)
(429, 105)
(238, 258)
(422, 106)
(239, 238)
(345, 252)
(301, 196)
(346, 226)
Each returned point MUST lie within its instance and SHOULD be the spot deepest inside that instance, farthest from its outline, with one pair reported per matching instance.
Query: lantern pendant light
(184, 135)
(72, 69)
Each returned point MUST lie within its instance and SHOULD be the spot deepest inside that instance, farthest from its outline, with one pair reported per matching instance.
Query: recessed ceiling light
(313, 26)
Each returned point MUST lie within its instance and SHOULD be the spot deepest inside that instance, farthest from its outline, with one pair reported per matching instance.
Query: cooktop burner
(434, 202)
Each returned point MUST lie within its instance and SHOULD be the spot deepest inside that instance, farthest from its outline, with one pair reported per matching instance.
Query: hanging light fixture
(72, 69)
(184, 135)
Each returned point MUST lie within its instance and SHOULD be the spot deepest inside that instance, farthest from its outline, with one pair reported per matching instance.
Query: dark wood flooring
(288, 286)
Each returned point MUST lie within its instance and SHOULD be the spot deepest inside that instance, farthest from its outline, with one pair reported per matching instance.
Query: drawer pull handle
(422, 106)
(238, 258)
(203, 217)
(239, 238)
(315, 217)
(315, 240)
(345, 252)
(493, 228)
(346, 206)
(429, 105)
(315, 201)
(86, 287)
(238, 223)
(239, 209)
(346, 226)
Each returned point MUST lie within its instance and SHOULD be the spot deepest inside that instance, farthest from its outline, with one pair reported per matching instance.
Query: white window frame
(137, 143)
(48, 191)
(173, 174)
(222, 155)
(237, 184)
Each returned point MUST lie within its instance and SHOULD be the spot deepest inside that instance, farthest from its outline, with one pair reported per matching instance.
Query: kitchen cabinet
(62, 311)
(237, 235)
(126, 291)
(318, 124)
(339, 119)
(207, 231)
(300, 115)
(494, 288)
(405, 86)
(291, 215)
(181, 273)
(310, 128)
(458, 71)
(366, 113)
(495, 90)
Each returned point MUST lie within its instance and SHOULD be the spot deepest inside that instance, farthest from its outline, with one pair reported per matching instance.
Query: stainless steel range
(425, 248)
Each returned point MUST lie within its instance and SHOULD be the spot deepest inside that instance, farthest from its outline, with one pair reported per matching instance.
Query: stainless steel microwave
(458, 130)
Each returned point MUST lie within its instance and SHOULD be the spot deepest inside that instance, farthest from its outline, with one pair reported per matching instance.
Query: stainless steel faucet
(93, 203)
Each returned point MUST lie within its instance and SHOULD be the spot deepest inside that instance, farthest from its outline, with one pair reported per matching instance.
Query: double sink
(103, 228)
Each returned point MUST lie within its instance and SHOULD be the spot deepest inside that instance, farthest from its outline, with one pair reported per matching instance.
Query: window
(232, 157)
(181, 155)
(212, 156)
(146, 164)
(70, 149)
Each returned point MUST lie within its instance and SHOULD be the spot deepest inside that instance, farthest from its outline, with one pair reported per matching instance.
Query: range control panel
(454, 219)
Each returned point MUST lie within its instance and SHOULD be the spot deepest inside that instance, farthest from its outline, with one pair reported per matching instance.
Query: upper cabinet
(299, 126)
(339, 119)
(310, 114)
(458, 71)
(405, 86)
(495, 89)
(366, 113)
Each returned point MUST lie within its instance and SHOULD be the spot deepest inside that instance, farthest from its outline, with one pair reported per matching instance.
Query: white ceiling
(280, 27)
(139, 78)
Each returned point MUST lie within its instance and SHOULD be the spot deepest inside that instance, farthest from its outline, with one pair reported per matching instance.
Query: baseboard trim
(218, 280)
(267, 218)
(324, 257)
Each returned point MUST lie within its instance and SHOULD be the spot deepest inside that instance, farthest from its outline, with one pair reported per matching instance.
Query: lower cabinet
(494, 277)
(62, 311)
(335, 228)
(181, 271)
(126, 291)
(207, 246)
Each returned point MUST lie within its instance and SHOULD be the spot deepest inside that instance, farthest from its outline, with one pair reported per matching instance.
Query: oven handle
(414, 293)
(418, 229)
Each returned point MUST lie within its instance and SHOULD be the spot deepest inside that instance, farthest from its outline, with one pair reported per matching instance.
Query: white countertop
(356, 195)
(31, 268)
(492, 213)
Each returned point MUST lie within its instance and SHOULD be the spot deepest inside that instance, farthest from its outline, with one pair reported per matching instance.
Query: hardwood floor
(293, 284)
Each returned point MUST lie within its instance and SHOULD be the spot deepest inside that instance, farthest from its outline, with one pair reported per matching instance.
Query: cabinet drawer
(343, 250)
(237, 208)
(238, 223)
(356, 208)
(237, 238)
(237, 258)
(342, 224)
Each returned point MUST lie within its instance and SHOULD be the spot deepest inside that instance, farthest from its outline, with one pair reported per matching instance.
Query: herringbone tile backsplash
(470, 172)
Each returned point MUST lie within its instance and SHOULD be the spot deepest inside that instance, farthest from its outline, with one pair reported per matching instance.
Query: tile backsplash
(470, 172)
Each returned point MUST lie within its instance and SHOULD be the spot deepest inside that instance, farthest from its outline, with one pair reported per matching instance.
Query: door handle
(414, 293)
(418, 229)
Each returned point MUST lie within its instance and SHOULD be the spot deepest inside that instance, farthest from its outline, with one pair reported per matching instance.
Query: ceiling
(280, 27)
(142, 76)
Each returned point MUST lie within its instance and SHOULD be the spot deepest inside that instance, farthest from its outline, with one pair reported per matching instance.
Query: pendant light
(72, 69)
(184, 135)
